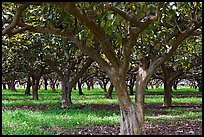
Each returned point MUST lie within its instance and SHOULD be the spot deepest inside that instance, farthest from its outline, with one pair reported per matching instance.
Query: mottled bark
(131, 120)
(65, 102)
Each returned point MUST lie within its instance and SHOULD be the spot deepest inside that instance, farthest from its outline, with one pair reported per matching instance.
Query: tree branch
(96, 30)
(16, 18)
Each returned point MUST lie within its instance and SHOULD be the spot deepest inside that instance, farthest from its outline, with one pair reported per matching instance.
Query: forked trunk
(131, 120)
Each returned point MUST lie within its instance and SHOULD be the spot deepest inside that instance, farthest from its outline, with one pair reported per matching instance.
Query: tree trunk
(167, 94)
(11, 86)
(69, 95)
(175, 85)
(4, 86)
(66, 94)
(109, 93)
(79, 87)
(28, 85)
(45, 83)
(52, 84)
(35, 87)
(92, 86)
(200, 86)
(131, 120)
(101, 85)
(88, 85)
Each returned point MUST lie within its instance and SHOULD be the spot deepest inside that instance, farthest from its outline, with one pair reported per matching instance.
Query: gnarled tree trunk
(132, 117)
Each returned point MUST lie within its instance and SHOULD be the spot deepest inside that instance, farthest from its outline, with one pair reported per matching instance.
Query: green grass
(54, 120)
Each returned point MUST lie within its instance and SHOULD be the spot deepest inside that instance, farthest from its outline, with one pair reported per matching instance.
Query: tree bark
(167, 94)
(35, 87)
(126, 121)
(27, 90)
(64, 95)
(175, 85)
(109, 93)
(92, 85)
(131, 120)
(45, 83)
(200, 86)
(101, 84)
(79, 87)
(88, 85)
(11, 86)
(52, 84)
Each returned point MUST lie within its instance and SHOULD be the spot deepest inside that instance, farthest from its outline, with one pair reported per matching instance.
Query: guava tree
(155, 30)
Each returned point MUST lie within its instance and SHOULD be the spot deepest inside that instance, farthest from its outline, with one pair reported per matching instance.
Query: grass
(54, 120)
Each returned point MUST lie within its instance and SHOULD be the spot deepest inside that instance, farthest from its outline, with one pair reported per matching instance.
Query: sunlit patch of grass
(187, 100)
(19, 121)
(30, 102)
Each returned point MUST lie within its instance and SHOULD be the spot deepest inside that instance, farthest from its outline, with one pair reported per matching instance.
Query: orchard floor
(183, 118)
(184, 127)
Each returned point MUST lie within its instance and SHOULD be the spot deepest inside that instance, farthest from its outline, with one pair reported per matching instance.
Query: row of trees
(123, 38)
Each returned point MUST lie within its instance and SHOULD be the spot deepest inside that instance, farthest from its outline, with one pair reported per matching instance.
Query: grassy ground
(22, 115)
